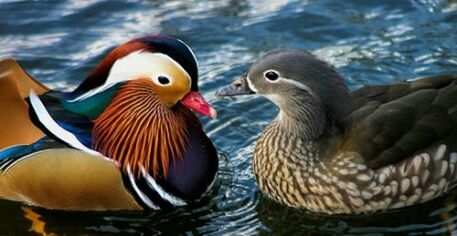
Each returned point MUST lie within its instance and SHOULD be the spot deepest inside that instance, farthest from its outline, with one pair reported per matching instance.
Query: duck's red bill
(195, 102)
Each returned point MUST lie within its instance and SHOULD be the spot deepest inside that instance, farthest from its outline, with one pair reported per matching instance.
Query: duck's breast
(193, 175)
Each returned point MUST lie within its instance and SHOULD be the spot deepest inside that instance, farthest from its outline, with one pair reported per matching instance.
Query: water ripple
(368, 42)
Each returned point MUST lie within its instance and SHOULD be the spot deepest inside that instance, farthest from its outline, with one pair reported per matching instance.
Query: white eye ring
(162, 80)
(272, 76)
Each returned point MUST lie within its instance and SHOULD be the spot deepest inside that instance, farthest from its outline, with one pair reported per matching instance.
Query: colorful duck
(124, 139)
(333, 151)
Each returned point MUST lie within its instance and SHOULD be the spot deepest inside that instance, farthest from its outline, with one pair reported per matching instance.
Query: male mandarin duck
(333, 151)
(124, 139)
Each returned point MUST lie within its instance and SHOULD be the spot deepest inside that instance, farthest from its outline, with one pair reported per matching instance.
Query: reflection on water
(369, 42)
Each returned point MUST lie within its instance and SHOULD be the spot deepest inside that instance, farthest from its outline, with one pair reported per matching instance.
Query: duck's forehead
(283, 60)
(177, 50)
(140, 64)
(267, 62)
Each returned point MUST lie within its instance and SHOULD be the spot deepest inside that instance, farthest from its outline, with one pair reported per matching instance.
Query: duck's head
(307, 90)
(139, 98)
(167, 66)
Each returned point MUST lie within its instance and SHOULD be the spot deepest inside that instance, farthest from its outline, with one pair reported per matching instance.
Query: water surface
(369, 42)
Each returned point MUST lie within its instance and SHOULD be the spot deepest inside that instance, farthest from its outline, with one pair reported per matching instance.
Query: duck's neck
(301, 116)
(140, 133)
(308, 123)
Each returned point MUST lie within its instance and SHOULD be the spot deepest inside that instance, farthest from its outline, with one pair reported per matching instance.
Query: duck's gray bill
(238, 87)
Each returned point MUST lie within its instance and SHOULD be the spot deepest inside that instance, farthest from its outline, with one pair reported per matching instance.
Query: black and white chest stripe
(149, 193)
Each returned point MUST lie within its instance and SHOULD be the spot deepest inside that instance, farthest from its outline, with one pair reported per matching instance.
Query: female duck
(333, 151)
(125, 139)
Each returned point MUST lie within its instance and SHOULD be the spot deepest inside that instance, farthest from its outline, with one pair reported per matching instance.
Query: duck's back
(391, 123)
(398, 146)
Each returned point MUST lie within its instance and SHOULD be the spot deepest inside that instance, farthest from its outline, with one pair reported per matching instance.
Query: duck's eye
(163, 80)
(271, 75)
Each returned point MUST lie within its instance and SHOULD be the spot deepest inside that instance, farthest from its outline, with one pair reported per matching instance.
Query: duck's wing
(15, 124)
(392, 122)
(40, 169)
(63, 178)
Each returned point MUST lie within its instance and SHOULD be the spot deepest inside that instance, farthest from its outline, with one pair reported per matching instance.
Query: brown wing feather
(15, 125)
(392, 122)
(67, 179)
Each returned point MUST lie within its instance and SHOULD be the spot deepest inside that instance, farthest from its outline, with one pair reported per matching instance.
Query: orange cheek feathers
(170, 95)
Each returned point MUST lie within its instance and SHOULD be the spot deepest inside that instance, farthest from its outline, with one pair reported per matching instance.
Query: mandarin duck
(124, 139)
(333, 151)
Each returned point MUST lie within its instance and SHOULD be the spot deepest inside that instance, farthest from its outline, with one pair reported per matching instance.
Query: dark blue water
(369, 42)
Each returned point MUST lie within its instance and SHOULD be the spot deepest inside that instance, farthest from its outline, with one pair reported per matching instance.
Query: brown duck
(333, 151)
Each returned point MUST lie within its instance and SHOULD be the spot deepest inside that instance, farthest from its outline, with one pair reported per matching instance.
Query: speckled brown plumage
(374, 168)
(291, 171)
(384, 147)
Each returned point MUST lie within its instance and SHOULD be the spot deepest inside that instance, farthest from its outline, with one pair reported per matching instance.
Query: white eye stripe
(134, 65)
(301, 86)
(289, 81)
(296, 84)
(138, 62)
